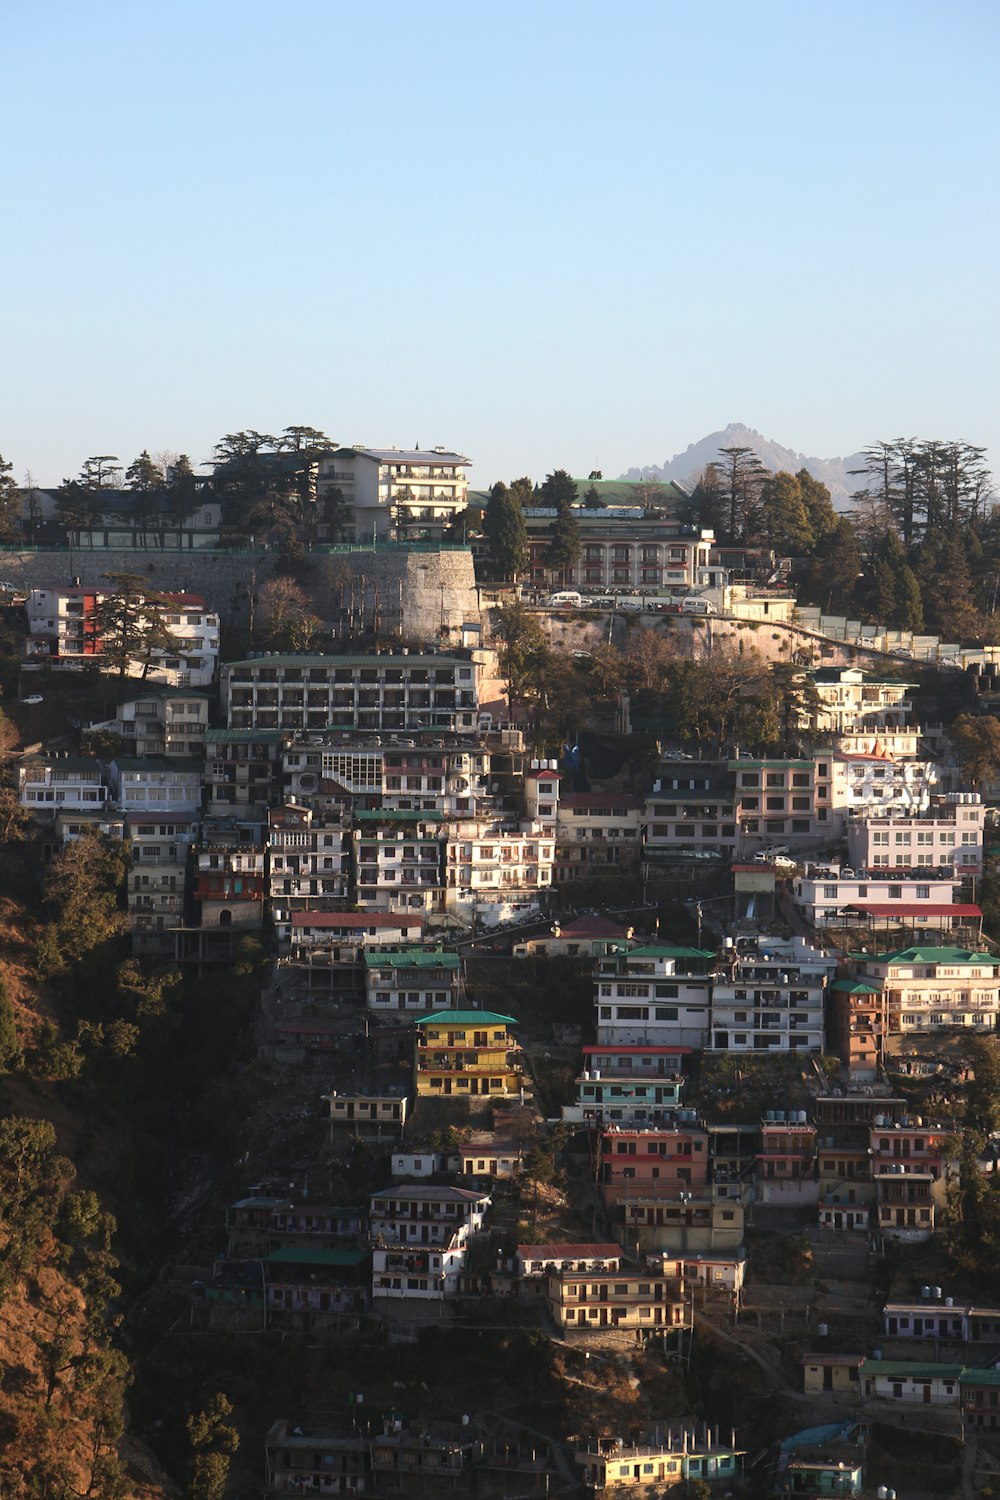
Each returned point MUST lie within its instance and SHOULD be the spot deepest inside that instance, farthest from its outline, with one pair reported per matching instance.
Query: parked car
(32, 698)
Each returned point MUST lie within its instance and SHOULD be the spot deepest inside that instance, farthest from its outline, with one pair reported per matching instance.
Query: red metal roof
(914, 909)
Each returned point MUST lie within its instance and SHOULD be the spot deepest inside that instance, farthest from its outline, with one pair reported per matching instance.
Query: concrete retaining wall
(414, 593)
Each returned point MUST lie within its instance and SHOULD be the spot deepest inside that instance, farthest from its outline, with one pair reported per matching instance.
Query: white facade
(865, 783)
(63, 781)
(493, 870)
(398, 861)
(156, 785)
(63, 618)
(948, 834)
(823, 895)
(420, 1236)
(645, 996)
(399, 494)
(169, 722)
(771, 999)
(851, 702)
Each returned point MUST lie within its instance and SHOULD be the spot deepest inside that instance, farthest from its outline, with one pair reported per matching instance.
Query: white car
(33, 698)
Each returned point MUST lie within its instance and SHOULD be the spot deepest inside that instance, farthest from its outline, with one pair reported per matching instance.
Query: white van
(568, 599)
(695, 605)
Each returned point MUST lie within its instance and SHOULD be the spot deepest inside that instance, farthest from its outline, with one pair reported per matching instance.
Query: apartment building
(495, 869)
(850, 701)
(771, 997)
(465, 1053)
(159, 784)
(163, 721)
(229, 884)
(62, 625)
(583, 1301)
(948, 834)
(927, 989)
(616, 1095)
(399, 860)
(398, 494)
(158, 849)
(691, 1223)
(857, 1026)
(62, 781)
(431, 1224)
(660, 1162)
(693, 808)
(679, 1456)
(622, 548)
(242, 772)
(873, 782)
(780, 798)
(447, 776)
(411, 980)
(655, 994)
(596, 831)
(786, 1164)
(363, 693)
(830, 894)
(308, 863)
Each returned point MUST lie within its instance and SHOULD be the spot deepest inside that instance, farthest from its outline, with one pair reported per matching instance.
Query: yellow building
(466, 1052)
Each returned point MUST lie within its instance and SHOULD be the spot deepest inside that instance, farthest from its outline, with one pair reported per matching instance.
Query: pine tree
(506, 532)
(10, 503)
(559, 491)
(784, 519)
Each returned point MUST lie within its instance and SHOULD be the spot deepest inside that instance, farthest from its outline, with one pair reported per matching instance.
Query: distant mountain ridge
(687, 466)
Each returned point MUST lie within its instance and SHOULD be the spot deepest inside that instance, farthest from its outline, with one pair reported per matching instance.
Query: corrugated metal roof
(916, 1369)
(410, 958)
(466, 1018)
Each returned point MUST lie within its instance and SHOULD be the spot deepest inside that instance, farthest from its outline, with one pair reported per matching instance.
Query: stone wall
(413, 593)
(696, 636)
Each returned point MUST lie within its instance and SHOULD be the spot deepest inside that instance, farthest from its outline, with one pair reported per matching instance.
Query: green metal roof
(305, 1255)
(980, 1377)
(854, 987)
(666, 950)
(931, 956)
(747, 763)
(918, 1368)
(410, 958)
(245, 736)
(466, 1018)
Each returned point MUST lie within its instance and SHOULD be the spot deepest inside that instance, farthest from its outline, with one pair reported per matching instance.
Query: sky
(547, 233)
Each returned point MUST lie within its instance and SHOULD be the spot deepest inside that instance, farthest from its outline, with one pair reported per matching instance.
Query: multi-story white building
(934, 989)
(307, 862)
(771, 997)
(53, 782)
(62, 625)
(948, 834)
(873, 782)
(850, 701)
(163, 721)
(420, 1237)
(823, 895)
(493, 870)
(373, 693)
(443, 775)
(399, 861)
(229, 884)
(406, 494)
(656, 995)
(411, 979)
(156, 784)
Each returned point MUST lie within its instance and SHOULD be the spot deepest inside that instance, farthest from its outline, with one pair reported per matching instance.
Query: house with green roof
(933, 989)
(465, 1053)
(411, 979)
(659, 994)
